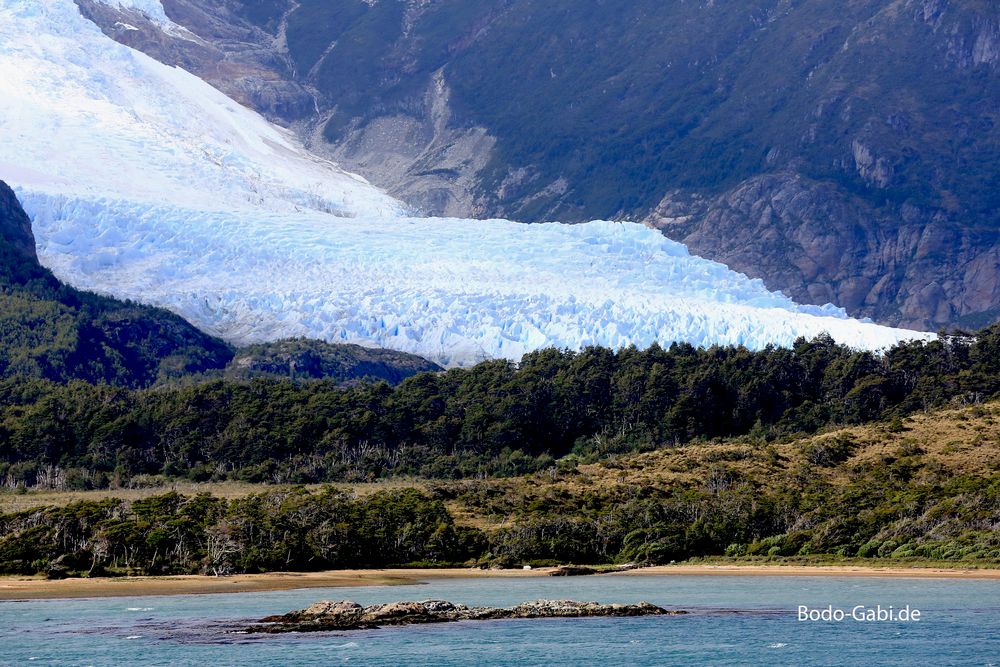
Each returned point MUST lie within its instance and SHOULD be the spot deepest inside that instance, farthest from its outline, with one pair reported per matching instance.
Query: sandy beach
(36, 588)
(817, 571)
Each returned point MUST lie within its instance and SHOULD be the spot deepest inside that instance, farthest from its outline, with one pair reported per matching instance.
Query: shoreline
(35, 588)
(778, 570)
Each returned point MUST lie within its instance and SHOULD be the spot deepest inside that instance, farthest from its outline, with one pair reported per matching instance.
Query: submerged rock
(348, 615)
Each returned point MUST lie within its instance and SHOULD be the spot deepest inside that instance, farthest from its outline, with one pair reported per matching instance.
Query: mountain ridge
(875, 113)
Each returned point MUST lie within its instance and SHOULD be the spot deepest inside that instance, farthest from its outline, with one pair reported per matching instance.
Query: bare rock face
(15, 227)
(805, 237)
(873, 169)
(347, 615)
(215, 44)
(420, 156)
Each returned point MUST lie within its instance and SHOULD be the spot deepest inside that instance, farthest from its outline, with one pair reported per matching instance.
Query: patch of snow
(144, 182)
(151, 8)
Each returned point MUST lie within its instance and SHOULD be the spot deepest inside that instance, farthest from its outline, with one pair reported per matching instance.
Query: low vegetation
(924, 489)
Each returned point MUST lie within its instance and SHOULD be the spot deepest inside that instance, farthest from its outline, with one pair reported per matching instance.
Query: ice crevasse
(144, 182)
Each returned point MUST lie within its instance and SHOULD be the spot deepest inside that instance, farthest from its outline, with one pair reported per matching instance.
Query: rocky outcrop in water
(349, 615)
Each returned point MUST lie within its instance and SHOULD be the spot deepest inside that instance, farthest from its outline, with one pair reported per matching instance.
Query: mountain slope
(842, 152)
(55, 332)
(303, 359)
(226, 220)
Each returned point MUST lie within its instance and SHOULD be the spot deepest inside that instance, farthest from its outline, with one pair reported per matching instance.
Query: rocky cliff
(414, 151)
(15, 227)
(210, 39)
(912, 268)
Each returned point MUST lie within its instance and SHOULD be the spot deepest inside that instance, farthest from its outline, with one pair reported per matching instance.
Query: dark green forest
(172, 534)
(494, 419)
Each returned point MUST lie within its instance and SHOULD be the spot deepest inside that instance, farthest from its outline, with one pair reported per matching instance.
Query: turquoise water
(735, 621)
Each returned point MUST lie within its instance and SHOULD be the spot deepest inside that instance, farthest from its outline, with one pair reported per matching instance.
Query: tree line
(278, 530)
(884, 512)
(497, 418)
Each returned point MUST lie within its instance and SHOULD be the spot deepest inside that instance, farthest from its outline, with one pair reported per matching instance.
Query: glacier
(145, 183)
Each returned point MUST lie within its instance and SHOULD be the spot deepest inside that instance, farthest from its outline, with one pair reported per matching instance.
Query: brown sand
(36, 588)
(30, 588)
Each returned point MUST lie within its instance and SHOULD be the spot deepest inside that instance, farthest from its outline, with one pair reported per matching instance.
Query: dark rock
(819, 245)
(348, 615)
(229, 52)
(15, 227)
(572, 571)
(18, 260)
(59, 568)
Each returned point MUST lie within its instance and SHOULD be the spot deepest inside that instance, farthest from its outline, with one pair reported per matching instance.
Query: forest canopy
(497, 418)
